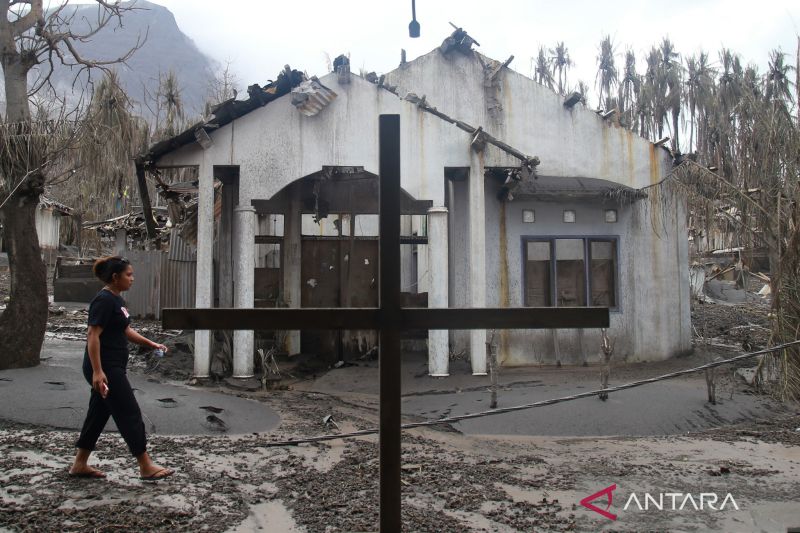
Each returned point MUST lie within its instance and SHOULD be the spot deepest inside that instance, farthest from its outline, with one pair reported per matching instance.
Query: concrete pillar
(205, 264)
(291, 263)
(244, 264)
(438, 268)
(120, 242)
(477, 258)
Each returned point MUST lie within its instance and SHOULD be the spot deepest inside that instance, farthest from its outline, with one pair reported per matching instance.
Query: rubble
(133, 224)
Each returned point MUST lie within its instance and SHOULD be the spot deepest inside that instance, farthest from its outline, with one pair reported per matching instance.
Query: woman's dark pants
(120, 403)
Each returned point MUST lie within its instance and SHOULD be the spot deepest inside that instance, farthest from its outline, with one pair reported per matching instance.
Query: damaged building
(512, 196)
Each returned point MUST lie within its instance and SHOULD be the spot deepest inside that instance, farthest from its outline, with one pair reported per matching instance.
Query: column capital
(241, 208)
(437, 210)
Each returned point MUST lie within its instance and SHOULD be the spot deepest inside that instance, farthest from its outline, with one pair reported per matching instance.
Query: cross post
(389, 320)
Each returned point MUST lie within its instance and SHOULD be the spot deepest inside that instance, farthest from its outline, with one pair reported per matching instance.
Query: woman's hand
(161, 347)
(100, 383)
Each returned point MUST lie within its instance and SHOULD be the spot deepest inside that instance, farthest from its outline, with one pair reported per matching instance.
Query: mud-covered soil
(451, 482)
(745, 326)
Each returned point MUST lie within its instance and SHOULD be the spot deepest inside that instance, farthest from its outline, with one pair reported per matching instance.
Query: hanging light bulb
(413, 26)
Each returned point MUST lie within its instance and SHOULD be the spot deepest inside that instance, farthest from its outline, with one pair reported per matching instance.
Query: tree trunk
(675, 146)
(23, 323)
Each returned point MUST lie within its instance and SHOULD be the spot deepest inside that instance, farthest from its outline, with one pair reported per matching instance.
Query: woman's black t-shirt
(108, 311)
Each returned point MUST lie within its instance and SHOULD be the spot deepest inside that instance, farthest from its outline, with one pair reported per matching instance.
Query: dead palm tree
(699, 89)
(607, 77)
(670, 75)
(102, 184)
(628, 90)
(777, 83)
(169, 102)
(560, 60)
(583, 89)
(541, 71)
(650, 101)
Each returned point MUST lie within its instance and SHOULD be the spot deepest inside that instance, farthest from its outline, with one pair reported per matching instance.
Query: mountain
(164, 47)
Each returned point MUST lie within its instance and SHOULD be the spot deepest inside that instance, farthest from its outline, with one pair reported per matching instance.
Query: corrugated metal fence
(161, 281)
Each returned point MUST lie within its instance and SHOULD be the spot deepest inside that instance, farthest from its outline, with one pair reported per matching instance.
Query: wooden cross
(389, 320)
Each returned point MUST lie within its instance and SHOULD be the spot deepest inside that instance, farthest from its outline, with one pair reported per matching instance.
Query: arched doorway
(324, 230)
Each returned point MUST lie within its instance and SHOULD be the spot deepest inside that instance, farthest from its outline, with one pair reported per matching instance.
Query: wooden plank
(266, 319)
(144, 195)
(413, 239)
(274, 206)
(269, 239)
(372, 318)
(390, 314)
(506, 318)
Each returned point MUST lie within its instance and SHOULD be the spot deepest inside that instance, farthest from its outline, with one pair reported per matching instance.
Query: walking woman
(104, 367)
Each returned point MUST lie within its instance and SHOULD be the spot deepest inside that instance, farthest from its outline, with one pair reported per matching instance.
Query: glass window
(327, 227)
(268, 255)
(602, 279)
(270, 225)
(528, 216)
(570, 273)
(538, 292)
(366, 226)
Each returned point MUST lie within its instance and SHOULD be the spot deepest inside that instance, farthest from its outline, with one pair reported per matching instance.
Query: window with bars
(570, 271)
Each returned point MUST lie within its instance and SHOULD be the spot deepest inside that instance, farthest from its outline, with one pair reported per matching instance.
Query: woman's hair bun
(105, 267)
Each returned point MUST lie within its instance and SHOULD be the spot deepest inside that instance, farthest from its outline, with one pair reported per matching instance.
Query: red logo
(608, 492)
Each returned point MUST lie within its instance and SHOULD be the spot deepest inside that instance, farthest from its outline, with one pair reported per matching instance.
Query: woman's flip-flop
(158, 474)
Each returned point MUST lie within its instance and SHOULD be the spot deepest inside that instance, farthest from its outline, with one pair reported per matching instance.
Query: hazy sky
(259, 37)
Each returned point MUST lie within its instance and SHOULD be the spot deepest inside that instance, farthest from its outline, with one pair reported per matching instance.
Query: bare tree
(222, 87)
(29, 144)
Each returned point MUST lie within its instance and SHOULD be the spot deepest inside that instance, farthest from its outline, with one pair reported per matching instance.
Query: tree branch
(29, 20)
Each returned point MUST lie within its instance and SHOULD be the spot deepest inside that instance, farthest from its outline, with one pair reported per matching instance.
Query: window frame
(587, 262)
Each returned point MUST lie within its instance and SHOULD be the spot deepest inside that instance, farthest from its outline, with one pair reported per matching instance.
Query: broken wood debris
(480, 137)
(134, 224)
(459, 41)
(421, 102)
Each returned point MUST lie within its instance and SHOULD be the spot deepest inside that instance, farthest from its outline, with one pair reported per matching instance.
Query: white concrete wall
(651, 321)
(48, 224)
(276, 145)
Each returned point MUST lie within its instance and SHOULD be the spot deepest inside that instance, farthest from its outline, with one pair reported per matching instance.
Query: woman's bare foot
(150, 471)
(84, 470)
(80, 466)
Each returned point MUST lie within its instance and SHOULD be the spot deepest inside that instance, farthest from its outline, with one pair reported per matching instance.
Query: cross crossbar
(390, 319)
(371, 318)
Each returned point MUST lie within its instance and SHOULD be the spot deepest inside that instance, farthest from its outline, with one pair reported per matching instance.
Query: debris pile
(133, 224)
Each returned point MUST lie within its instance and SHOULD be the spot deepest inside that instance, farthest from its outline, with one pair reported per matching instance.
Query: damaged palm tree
(749, 187)
(103, 184)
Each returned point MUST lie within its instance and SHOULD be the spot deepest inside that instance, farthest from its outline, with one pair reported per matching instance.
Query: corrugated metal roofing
(311, 97)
